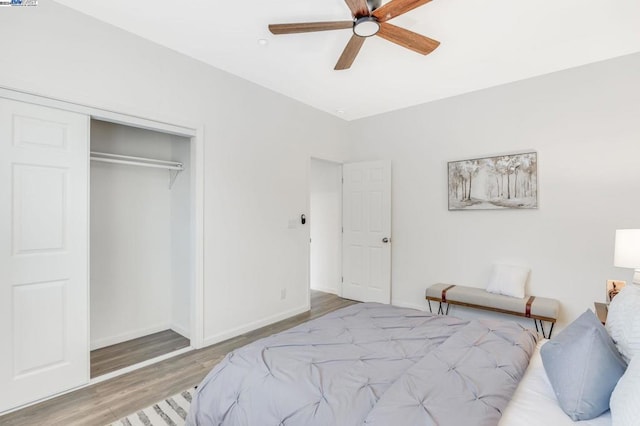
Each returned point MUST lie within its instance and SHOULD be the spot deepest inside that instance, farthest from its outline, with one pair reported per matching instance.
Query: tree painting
(506, 181)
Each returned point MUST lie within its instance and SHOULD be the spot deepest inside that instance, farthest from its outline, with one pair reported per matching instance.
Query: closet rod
(136, 161)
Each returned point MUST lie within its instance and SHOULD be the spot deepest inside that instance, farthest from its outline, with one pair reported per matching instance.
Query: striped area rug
(171, 411)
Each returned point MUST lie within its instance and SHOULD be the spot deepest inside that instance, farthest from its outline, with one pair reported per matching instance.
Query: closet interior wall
(140, 237)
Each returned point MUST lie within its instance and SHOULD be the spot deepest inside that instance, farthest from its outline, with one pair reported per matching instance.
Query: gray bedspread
(369, 364)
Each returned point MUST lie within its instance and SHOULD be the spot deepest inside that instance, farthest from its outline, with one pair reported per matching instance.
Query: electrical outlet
(613, 287)
(283, 294)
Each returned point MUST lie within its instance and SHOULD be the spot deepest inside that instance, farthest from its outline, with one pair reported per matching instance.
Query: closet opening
(141, 245)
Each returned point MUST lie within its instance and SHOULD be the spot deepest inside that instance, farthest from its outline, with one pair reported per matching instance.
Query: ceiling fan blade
(409, 39)
(350, 52)
(358, 8)
(396, 8)
(308, 27)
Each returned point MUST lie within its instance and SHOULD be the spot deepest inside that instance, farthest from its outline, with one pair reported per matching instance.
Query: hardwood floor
(114, 357)
(106, 402)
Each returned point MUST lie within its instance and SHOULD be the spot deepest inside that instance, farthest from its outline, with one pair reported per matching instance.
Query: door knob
(385, 240)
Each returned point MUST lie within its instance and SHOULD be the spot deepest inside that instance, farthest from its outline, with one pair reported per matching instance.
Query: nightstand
(602, 309)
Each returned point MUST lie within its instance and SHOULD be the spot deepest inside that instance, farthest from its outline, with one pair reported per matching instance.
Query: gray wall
(584, 125)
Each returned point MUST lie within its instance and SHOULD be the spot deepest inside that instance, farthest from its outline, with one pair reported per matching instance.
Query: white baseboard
(183, 331)
(216, 338)
(134, 334)
(404, 304)
(331, 290)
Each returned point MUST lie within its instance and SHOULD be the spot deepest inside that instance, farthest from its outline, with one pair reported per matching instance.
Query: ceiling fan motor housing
(373, 4)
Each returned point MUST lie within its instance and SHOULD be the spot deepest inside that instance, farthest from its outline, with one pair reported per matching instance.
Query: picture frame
(494, 183)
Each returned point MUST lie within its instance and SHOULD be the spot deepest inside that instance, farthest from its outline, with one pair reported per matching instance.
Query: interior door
(43, 252)
(366, 240)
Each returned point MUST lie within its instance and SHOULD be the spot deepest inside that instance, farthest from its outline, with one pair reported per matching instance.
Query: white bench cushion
(541, 307)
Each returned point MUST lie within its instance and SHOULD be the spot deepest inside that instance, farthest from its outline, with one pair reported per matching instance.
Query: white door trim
(196, 135)
(313, 216)
(128, 119)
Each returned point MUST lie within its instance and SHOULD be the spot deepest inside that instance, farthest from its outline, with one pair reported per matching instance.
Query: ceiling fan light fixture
(366, 26)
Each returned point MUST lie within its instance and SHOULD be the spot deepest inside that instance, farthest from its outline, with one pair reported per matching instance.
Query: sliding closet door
(43, 252)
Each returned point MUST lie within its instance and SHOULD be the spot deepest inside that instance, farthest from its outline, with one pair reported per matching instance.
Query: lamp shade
(627, 249)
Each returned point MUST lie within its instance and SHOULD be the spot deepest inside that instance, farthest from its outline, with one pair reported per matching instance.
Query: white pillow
(625, 399)
(508, 280)
(623, 321)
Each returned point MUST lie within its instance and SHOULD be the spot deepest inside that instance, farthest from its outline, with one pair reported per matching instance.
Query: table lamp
(627, 251)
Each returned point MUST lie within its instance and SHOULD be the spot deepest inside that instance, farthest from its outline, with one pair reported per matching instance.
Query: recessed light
(263, 42)
(340, 111)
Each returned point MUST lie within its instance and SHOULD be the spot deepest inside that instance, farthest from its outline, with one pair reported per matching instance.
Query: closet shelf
(174, 167)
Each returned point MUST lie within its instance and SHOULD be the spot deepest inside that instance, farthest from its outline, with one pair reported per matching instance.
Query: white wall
(136, 272)
(182, 254)
(326, 226)
(584, 123)
(257, 149)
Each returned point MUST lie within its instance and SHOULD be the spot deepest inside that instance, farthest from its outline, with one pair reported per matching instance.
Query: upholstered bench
(539, 308)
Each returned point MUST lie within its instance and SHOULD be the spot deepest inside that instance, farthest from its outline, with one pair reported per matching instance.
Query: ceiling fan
(369, 19)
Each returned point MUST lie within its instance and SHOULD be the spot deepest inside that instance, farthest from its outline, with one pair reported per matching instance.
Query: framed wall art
(501, 182)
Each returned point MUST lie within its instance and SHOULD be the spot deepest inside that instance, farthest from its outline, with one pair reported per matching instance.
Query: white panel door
(43, 252)
(366, 220)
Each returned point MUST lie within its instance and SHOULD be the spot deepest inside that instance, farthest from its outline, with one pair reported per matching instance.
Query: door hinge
(341, 279)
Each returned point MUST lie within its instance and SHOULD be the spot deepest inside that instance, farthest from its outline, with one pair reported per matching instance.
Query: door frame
(195, 133)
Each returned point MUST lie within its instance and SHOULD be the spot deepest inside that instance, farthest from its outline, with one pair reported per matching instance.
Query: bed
(369, 363)
(372, 364)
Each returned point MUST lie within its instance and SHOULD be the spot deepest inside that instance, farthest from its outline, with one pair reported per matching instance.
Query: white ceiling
(483, 44)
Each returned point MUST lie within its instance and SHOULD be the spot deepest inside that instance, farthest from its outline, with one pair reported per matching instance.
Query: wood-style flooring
(114, 357)
(106, 402)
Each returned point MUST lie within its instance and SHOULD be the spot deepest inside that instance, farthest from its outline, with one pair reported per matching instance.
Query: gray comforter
(369, 364)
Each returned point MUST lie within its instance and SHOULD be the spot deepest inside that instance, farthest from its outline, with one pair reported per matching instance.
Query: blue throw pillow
(583, 366)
